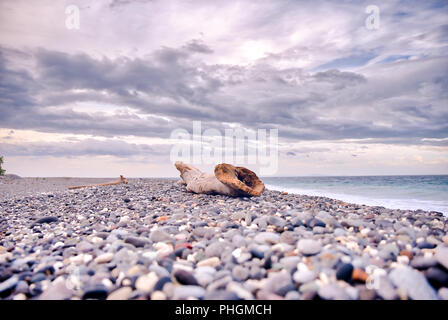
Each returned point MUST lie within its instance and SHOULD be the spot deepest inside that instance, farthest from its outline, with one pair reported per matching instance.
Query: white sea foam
(405, 204)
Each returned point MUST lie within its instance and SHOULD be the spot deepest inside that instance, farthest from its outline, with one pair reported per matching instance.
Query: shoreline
(150, 239)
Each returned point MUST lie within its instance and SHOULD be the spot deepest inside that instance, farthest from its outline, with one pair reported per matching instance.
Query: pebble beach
(150, 239)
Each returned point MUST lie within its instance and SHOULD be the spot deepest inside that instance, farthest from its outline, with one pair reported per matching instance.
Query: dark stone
(127, 200)
(313, 222)
(97, 292)
(136, 242)
(7, 286)
(426, 245)
(344, 272)
(437, 277)
(38, 277)
(257, 254)
(46, 220)
(185, 277)
(161, 282)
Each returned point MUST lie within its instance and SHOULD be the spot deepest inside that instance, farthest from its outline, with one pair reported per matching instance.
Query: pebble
(413, 283)
(344, 272)
(104, 258)
(309, 246)
(170, 244)
(210, 262)
(185, 292)
(304, 276)
(185, 277)
(267, 237)
(136, 241)
(123, 293)
(159, 236)
(146, 283)
(47, 220)
(333, 292)
(441, 255)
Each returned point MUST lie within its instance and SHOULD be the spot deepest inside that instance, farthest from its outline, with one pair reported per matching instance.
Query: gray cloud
(91, 147)
(390, 100)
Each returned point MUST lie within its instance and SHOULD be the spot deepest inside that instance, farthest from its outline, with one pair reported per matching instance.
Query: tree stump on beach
(226, 180)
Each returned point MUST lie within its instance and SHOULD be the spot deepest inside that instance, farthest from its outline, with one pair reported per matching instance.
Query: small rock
(240, 273)
(136, 242)
(442, 255)
(267, 237)
(309, 246)
(146, 282)
(104, 258)
(123, 293)
(185, 292)
(159, 236)
(413, 283)
(211, 262)
(185, 277)
(46, 220)
(344, 272)
(98, 292)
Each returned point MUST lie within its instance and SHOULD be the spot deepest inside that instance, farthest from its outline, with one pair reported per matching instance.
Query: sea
(428, 192)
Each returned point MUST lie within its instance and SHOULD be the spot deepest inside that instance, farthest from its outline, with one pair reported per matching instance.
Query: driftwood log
(121, 180)
(226, 180)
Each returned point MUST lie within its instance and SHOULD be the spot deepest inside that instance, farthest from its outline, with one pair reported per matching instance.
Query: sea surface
(429, 193)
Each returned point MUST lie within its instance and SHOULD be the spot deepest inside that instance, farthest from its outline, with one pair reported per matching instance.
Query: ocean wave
(405, 204)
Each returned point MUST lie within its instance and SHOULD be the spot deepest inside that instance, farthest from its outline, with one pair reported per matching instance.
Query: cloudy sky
(102, 100)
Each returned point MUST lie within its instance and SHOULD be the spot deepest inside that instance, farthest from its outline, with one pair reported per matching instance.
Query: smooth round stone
(240, 273)
(47, 220)
(215, 249)
(389, 252)
(104, 258)
(158, 295)
(315, 223)
(309, 246)
(333, 292)
(292, 295)
(38, 277)
(339, 232)
(423, 262)
(8, 285)
(288, 237)
(57, 290)
(304, 276)
(21, 287)
(267, 237)
(277, 221)
(136, 241)
(161, 283)
(413, 283)
(290, 263)
(185, 292)
(146, 283)
(221, 295)
(441, 255)
(185, 277)
(84, 246)
(443, 293)
(123, 293)
(98, 292)
(280, 283)
(426, 245)
(210, 262)
(344, 272)
(437, 277)
(159, 236)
